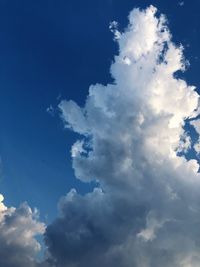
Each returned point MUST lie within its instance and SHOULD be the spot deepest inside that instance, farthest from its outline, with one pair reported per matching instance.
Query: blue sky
(52, 51)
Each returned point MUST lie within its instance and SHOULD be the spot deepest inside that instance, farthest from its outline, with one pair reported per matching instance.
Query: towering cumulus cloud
(18, 228)
(146, 210)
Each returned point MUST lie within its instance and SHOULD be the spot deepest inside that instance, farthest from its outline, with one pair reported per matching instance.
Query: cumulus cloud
(18, 229)
(145, 212)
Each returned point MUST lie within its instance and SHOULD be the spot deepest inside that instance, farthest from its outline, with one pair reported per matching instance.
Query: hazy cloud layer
(145, 212)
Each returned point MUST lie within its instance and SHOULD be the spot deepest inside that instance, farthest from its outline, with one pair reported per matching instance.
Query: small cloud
(181, 3)
(114, 29)
(50, 110)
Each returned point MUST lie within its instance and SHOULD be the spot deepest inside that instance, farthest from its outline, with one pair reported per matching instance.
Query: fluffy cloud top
(145, 212)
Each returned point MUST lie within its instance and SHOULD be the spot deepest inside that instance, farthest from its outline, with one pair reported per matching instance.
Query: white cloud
(2, 206)
(197, 146)
(147, 210)
(196, 125)
(184, 144)
(152, 225)
(77, 149)
(113, 27)
(18, 229)
(73, 116)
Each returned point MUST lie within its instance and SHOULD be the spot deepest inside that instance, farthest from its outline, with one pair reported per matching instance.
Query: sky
(52, 51)
(99, 143)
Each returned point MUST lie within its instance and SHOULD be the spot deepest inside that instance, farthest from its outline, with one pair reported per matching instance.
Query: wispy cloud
(181, 3)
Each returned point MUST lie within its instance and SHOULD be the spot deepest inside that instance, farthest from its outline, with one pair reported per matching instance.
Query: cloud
(145, 211)
(196, 125)
(18, 228)
(181, 3)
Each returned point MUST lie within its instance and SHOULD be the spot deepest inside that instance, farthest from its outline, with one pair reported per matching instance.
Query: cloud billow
(145, 212)
(18, 230)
